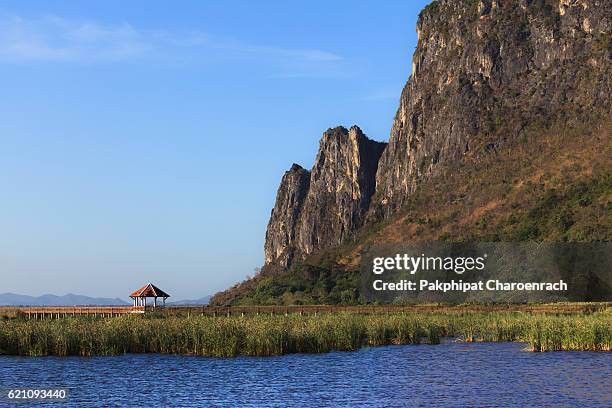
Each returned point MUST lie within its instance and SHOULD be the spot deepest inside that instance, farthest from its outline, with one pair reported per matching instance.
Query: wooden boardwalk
(107, 311)
(377, 309)
(44, 312)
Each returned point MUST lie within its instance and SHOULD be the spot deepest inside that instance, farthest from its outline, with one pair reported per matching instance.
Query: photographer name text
(461, 286)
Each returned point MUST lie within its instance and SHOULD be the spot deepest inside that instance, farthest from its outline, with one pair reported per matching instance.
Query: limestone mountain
(484, 71)
(280, 235)
(503, 133)
(316, 209)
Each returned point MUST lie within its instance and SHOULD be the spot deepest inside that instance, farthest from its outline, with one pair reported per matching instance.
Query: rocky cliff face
(482, 72)
(322, 208)
(343, 181)
(280, 235)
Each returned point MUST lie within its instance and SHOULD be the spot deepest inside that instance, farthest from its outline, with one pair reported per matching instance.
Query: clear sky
(144, 140)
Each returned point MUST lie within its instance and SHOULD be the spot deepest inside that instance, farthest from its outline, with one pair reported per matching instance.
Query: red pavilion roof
(149, 290)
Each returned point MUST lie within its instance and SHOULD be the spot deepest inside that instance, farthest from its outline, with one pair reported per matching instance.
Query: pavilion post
(140, 296)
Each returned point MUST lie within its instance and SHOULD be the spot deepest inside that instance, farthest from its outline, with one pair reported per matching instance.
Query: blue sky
(144, 141)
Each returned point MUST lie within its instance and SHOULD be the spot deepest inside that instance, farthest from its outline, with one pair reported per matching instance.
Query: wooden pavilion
(149, 291)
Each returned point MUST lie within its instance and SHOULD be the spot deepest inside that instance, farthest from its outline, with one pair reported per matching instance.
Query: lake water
(450, 374)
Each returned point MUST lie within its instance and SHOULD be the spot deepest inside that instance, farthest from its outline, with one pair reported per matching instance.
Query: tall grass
(559, 334)
(276, 335)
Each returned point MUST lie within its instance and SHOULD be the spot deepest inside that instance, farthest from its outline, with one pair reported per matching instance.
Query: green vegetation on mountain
(564, 193)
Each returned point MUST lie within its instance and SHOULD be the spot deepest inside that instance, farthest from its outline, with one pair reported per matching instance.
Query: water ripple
(451, 374)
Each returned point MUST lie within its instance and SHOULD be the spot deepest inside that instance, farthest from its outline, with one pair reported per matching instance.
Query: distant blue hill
(12, 299)
(202, 301)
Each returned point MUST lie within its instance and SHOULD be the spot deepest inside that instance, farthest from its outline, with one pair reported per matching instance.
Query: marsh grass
(562, 334)
(276, 335)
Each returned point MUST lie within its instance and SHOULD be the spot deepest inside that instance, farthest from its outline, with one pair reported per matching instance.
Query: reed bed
(276, 335)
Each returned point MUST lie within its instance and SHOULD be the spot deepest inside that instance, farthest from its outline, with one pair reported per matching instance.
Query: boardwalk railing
(44, 312)
(377, 309)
